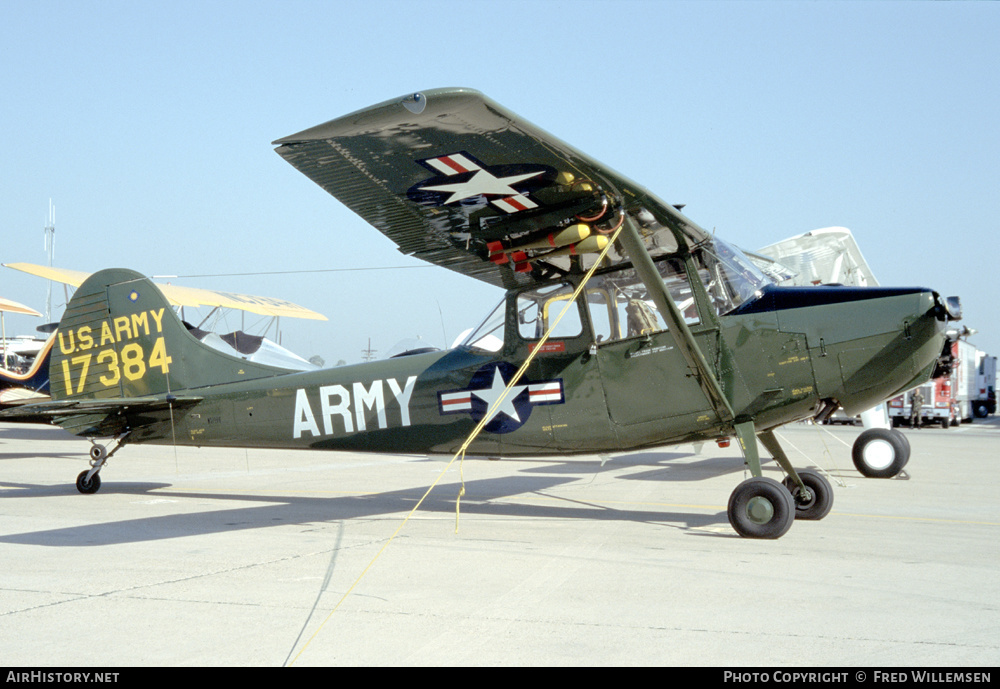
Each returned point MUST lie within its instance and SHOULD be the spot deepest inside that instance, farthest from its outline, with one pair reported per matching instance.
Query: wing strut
(650, 277)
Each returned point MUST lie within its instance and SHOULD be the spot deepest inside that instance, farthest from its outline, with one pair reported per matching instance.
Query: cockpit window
(728, 275)
(489, 335)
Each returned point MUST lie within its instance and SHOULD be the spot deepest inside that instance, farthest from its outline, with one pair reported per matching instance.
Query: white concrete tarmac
(191, 557)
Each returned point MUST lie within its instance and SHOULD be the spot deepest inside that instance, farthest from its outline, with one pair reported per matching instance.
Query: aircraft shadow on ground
(494, 497)
(41, 432)
(660, 466)
(39, 455)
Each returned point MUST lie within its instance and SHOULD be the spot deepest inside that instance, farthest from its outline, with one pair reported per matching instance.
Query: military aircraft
(625, 325)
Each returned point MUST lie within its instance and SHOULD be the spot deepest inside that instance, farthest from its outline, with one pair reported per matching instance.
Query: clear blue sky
(149, 128)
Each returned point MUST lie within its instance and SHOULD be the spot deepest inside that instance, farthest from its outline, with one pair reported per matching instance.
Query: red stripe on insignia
(457, 399)
(453, 164)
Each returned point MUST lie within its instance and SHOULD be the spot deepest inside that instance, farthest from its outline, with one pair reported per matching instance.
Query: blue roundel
(487, 384)
(486, 397)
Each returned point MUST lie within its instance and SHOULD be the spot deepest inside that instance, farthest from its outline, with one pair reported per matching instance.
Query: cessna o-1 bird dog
(638, 327)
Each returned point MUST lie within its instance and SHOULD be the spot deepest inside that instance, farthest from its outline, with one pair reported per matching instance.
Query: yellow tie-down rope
(460, 455)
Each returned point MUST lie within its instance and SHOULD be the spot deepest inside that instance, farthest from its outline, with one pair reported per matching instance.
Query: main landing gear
(89, 481)
(760, 507)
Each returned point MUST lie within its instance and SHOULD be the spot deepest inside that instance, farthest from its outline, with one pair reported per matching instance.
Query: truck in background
(950, 399)
(985, 401)
(937, 407)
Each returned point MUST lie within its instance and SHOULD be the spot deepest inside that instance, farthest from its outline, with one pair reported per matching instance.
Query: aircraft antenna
(368, 353)
(50, 248)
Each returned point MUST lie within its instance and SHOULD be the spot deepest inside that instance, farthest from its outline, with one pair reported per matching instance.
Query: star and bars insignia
(487, 387)
(461, 179)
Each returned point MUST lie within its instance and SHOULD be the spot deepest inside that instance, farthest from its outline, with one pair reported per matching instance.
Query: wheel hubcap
(879, 454)
(760, 510)
(804, 498)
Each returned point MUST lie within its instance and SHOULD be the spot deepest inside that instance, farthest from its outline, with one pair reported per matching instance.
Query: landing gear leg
(812, 493)
(760, 507)
(89, 482)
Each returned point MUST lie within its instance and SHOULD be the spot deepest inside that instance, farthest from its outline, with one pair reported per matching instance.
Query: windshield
(488, 335)
(728, 275)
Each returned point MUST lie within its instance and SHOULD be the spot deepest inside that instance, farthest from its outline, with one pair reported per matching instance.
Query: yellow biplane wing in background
(187, 296)
(8, 306)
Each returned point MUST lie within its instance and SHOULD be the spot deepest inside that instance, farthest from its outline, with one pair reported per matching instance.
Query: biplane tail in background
(24, 363)
(31, 385)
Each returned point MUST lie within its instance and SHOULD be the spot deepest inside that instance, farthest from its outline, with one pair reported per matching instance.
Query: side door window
(620, 306)
(539, 309)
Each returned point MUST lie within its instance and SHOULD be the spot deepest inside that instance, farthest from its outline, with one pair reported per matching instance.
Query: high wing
(456, 179)
(187, 296)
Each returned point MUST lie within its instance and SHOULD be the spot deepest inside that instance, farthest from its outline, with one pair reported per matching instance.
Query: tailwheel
(760, 507)
(90, 481)
(816, 500)
(880, 452)
(88, 485)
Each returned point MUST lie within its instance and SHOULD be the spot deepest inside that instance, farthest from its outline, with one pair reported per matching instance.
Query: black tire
(981, 410)
(819, 500)
(880, 453)
(88, 487)
(906, 445)
(760, 507)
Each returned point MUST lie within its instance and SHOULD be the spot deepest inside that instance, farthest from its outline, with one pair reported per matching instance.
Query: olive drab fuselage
(609, 378)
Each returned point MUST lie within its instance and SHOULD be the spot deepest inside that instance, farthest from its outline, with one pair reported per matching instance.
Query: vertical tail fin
(120, 337)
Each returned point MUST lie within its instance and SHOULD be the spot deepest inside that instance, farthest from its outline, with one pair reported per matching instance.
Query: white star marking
(482, 182)
(492, 394)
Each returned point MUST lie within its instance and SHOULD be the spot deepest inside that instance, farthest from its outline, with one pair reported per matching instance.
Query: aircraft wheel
(817, 502)
(87, 487)
(760, 507)
(880, 453)
(906, 445)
